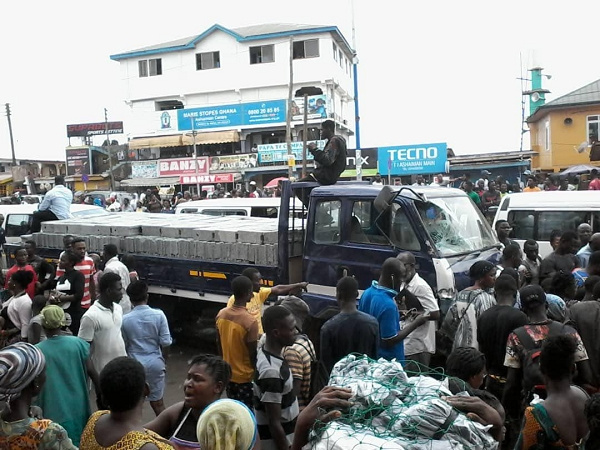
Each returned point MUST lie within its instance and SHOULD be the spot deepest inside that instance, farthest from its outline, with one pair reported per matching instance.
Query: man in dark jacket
(331, 161)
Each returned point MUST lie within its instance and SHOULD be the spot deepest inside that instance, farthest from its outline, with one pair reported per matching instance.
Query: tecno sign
(182, 166)
(412, 159)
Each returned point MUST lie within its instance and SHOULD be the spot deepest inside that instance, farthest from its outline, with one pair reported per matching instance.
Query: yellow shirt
(533, 189)
(237, 328)
(254, 306)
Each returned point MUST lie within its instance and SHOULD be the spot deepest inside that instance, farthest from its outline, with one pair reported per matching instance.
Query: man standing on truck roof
(331, 161)
(55, 206)
(260, 294)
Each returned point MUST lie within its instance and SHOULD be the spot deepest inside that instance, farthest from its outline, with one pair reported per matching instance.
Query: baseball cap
(253, 183)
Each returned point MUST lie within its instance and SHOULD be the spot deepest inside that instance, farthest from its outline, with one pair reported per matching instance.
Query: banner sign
(413, 159)
(166, 120)
(78, 161)
(229, 116)
(94, 129)
(182, 166)
(217, 178)
(233, 162)
(368, 162)
(316, 104)
(146, 169)
(269, 153)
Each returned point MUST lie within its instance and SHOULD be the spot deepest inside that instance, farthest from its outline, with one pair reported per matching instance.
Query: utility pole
(288, 121)
(194, 132)
(358, 155)
(108, 149)
(12, 142)
(304, 135)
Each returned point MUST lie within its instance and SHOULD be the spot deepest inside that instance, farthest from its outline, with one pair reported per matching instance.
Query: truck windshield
(455, 225)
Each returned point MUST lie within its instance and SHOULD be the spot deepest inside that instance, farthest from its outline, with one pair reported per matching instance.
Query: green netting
(395, 410)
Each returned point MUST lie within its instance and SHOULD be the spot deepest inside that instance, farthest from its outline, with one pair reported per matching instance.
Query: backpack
(319, 377)
(530, 364)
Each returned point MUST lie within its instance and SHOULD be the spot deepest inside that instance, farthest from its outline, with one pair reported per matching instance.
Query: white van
(252, 207)
(17, 218)
(533, 215)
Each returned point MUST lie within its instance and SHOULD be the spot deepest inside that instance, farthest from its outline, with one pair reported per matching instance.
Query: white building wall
(236, 80)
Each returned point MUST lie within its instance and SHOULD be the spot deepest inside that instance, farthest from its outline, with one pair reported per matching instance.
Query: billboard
(368, 163)
(217, 178)
(78, 161)
(316, 104)
(144, 169)
(94, 129)
(229, 116)
(182, 166)
(413, 159)
(233, 162)
(273, 153)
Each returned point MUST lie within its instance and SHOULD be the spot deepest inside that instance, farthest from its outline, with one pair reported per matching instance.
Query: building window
(262, 54)
(209, 60)
(150, 67)
(593, 127)
(334, 51)
(306, 49)
(547, 137)
(341, 57)
(155, 66)
(143, 68)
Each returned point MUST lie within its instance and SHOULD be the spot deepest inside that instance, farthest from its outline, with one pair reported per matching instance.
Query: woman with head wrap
(227, 425)
(123, 386)
(22, 375)
(460, 323)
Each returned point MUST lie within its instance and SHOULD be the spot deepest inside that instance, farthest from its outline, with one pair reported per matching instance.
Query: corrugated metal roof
(253, 32)
(586, 94)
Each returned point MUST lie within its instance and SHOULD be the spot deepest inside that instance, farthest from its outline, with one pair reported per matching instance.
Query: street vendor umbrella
(273, 183)
(579, 168)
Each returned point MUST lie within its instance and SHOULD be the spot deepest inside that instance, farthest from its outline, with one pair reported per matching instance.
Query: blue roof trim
(238, 37)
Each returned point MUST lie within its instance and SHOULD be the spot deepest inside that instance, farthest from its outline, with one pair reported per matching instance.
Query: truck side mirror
(384, 199)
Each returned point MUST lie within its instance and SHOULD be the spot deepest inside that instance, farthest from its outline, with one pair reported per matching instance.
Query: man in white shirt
(420, 344)
(55, 206)
(101, 323)
(112, 264)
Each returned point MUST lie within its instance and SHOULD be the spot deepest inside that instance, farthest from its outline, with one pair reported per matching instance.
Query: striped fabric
(299, 358)
(20, 363)
(273, 383)
(86, 267)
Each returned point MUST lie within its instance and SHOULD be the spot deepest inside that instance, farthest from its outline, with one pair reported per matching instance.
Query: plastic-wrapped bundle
(393, 411)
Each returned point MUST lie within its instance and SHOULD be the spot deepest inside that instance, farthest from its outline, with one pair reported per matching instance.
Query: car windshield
(455, 225)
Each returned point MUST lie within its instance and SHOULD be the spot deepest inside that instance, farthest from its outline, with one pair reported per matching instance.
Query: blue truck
(348, 228)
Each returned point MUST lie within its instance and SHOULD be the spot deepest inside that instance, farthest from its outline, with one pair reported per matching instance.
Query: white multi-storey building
(227, 89)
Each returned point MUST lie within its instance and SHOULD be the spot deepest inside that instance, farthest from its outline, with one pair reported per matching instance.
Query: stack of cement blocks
(184, 236)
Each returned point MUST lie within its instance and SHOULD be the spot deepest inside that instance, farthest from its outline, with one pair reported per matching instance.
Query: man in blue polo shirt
(379, 302)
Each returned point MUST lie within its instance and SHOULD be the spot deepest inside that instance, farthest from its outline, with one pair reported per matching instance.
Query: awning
(148, 182)
(212, 137)
(158, 141)
(178, 140)
(6, 178)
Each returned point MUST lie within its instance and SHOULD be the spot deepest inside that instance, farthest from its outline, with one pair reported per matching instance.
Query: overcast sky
(430, 71)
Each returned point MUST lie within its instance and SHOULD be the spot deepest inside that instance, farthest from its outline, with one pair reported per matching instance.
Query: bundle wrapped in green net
(392, 410)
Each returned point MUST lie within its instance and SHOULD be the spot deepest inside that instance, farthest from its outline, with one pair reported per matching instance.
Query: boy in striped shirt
(275, 403)
(87, 268)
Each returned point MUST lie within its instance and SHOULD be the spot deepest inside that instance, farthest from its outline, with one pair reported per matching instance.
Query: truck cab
(352, 229)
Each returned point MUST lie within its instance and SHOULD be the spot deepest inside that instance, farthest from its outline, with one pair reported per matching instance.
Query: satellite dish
(535, 97)
(582, 147)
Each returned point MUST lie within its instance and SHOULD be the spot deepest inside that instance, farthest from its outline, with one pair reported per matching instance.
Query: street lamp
(194, 133)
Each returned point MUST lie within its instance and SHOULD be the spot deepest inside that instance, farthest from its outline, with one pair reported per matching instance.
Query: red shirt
(31, 286)
(594, 185)
(86, 267)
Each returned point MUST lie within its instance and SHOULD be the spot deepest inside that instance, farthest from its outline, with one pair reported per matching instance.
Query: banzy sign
(412, 159)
